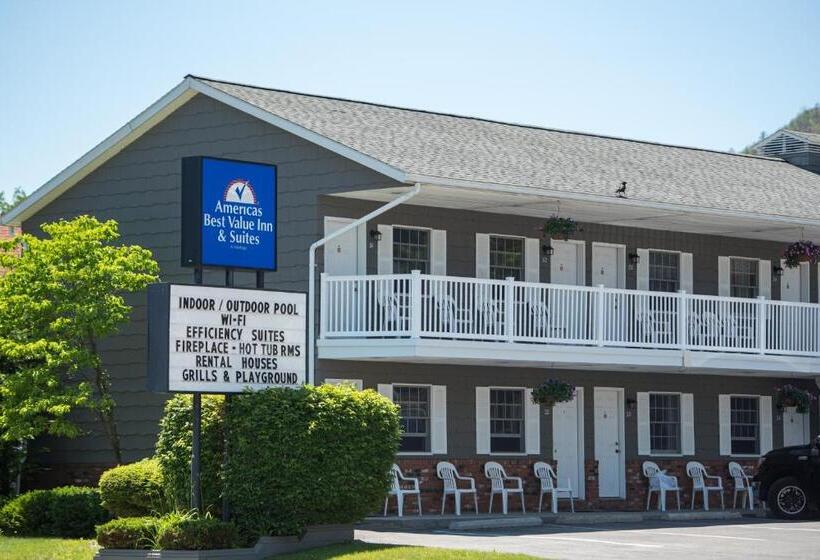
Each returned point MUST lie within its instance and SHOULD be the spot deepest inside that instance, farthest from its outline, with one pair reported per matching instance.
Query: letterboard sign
(205, 339)
(228, 213)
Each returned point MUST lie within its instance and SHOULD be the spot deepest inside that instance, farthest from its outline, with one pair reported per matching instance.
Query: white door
(796, 428)
(609, 452)
(344, 255)
(568, 441)
(792, 286)
(567, 264)
(606, 268)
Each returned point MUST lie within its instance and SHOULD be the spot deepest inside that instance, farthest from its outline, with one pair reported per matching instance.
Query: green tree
(60, 295)
(18, 196)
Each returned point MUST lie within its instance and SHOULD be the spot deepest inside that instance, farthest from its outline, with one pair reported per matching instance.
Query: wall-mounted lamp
(777, 272)
(375, 237)
(631, 405)
(547, 252)
(634, 259)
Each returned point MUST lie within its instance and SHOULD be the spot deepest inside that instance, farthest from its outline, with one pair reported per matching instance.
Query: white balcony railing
(447, 307)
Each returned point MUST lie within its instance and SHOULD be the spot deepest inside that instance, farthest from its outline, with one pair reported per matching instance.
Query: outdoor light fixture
(634, 259)
(631, 405)
(375, 237)
(547, 251)
(777, 272)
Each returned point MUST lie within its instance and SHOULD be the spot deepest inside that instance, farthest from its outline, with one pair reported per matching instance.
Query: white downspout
(312, 271)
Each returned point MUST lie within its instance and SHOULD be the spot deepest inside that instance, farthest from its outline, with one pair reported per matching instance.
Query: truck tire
(788, 499)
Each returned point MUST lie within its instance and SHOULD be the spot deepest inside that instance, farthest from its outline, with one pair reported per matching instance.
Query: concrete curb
(498, 523)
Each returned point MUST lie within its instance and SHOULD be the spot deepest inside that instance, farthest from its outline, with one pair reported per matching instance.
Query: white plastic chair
(549, 485)
(450, 477)
(498, 485)
(743, 486)
(397, 490)
(700, 483)
(661, 483)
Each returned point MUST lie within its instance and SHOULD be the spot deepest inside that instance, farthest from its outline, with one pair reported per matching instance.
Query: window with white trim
(506, 257)
(664, 271)
(411, 250)
(506, 420)
(665, 423)
(414, 417)
(743, 277)
(745, 425)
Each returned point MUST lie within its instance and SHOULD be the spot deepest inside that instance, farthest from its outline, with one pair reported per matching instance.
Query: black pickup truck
(790, 480)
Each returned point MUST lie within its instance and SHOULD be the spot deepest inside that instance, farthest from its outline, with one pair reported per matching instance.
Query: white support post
(761, 324)
(415, 304)
(599, 314)
(683, 319)
(322, 304)
(509, 308)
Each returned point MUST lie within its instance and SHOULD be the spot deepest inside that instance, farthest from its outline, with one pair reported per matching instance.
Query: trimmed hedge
(128, 532)
(201, 533)
(173, 450)
(69, 512)
(307, 456)
(134, 490)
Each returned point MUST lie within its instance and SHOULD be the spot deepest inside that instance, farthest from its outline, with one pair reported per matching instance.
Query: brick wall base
(636, 486)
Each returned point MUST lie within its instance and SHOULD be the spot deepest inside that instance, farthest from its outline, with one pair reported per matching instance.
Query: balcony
(443, 319)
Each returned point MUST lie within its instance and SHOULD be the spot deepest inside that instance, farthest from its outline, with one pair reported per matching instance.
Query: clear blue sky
(711, 74)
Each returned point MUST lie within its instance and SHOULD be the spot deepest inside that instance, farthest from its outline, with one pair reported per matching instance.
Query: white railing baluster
(761, 324)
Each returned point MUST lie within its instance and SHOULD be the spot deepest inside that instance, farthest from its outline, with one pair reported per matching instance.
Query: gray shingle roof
(482, 151)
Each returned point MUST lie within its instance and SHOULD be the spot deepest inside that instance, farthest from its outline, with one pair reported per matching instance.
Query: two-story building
(669, 311)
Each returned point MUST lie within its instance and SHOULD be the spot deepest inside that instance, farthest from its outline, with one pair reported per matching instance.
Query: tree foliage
(59, 296)
(18, 196)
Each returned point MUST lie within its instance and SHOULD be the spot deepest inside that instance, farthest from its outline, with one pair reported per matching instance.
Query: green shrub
(74, 511)
(308, 456)
(173, 450)
(70, 511)
(27, 514)
(134, 490)
(198, 533)
(128, 532)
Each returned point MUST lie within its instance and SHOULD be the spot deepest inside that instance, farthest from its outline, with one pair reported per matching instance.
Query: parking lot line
(704, 535)
(778, 528)
(588, 540)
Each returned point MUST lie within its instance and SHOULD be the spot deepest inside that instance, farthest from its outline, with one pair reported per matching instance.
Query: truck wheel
(787, 499)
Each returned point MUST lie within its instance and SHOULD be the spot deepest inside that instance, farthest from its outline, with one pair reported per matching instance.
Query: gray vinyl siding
(139, 188)
(461, 227)
(461, 382)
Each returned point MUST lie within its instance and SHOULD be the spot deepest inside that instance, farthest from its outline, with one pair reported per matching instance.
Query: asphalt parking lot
(736, 540)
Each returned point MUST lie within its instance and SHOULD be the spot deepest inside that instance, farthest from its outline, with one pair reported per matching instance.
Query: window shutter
(482, 420)
(724, 285)
(438, 252)
(765, 425)
(532, 260)
(386, 390)
(725, 419)
(385, 250)
(687, 423)
(686, 281)
(643, 269)
(644, 444)
(438, 424)
(532, 425)
(805, 282)
(764, 278)
(482, 255)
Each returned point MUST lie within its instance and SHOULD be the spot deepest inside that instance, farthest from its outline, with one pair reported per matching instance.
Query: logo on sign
(240, 190)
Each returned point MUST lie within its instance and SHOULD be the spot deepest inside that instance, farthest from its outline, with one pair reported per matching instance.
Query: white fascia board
(102, 152)
(503, 354)
(583, 197)
(302, 132)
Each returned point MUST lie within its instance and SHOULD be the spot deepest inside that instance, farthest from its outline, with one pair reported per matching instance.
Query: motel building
(670, 309)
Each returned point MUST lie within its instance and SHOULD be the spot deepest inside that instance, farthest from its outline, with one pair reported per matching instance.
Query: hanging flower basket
(563, 228)
(790, 396)
(801, 251)
(552, 392)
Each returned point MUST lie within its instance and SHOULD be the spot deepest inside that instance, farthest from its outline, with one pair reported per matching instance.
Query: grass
(363, 551)
(19, 548)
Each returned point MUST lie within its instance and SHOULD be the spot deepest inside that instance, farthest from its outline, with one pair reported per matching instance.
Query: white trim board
(466, 352)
